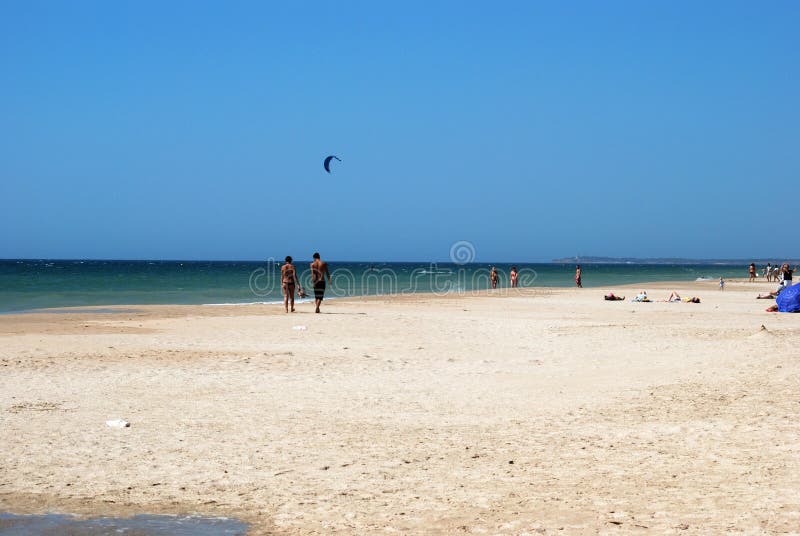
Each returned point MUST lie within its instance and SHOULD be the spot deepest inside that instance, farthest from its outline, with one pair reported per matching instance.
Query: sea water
(27, 285)
(142, 525)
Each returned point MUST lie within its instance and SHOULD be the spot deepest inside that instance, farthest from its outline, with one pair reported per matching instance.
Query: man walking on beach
(319, 272)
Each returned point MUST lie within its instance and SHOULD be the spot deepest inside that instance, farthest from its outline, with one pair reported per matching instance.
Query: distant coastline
(670, 260)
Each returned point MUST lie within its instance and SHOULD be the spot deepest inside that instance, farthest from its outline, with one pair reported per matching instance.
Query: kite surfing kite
(327, 163)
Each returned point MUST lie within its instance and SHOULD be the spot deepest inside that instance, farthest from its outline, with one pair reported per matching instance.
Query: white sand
(405, 414)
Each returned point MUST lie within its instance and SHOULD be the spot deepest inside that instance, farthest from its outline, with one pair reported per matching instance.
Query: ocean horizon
(34, 284)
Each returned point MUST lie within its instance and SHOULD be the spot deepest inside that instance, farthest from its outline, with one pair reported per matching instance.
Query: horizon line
(563, 260)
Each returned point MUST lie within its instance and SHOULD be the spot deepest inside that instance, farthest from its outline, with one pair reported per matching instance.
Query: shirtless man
(494, 277)
(319, 273)
(578, 274)
(288, 283)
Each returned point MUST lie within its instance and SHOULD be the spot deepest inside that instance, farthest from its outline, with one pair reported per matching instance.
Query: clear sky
(197, 129)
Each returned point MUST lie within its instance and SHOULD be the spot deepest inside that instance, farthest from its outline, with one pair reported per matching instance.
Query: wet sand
(539, 411)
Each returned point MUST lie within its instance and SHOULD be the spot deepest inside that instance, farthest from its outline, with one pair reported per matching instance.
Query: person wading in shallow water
(494, 277)
(319, 273)
(578, 273)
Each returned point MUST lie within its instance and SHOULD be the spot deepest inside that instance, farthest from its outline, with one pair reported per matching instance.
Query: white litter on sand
(118, 423)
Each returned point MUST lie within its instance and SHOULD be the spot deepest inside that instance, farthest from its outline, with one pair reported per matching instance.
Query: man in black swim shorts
(319, 273)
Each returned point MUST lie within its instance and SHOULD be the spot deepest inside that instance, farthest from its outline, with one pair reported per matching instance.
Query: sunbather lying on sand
(675, 297)
(642, 297)
(611, 297)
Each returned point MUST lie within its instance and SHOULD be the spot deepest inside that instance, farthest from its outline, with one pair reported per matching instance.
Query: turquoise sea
(35, 284)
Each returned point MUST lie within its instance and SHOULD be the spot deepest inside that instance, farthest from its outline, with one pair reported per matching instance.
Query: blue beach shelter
(789, 300)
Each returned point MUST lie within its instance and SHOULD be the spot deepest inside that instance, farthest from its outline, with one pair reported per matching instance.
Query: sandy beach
(539, 411)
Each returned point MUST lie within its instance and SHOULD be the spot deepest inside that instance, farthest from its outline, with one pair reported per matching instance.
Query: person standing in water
(752, 271)
(513, 276)
(288, 283)
(494, 277)
(319, 273)
(578, 273)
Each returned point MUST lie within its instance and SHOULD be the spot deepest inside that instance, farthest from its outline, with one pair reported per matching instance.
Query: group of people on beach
(770, 272)
(320, 274)
(494, 277)
(643, 298)
(783, 276)
(290, 283)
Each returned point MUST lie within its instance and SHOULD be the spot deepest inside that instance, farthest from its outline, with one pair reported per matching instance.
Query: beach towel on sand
(789, 300)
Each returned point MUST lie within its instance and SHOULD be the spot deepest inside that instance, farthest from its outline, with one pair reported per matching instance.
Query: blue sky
(197, 130)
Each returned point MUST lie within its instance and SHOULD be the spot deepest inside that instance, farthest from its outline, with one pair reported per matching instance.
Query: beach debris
(762, 333)
(327, 163)
(299, 328)
(118, 423)
(35, 406)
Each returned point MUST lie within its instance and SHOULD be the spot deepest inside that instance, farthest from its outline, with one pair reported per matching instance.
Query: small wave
(235, 304)
(275, 302)
(704, 279)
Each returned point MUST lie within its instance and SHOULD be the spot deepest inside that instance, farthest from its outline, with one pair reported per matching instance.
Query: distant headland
(669, 260)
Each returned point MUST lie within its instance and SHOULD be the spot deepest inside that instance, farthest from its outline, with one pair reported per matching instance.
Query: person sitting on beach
(642, 297)
(288, 283)
(771, 295)
(494, 277)
(611, 297)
